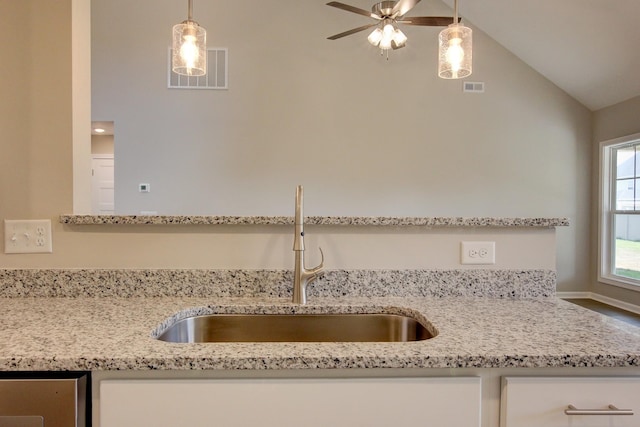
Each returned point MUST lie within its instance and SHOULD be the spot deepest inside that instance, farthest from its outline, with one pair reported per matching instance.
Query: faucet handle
(321, 265)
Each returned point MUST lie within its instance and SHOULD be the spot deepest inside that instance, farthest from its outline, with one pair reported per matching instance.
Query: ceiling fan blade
(433, 21)
(353, 31)
(353, 9)
(402, 7)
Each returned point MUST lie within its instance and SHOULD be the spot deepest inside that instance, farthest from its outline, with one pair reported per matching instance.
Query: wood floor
(618, 313)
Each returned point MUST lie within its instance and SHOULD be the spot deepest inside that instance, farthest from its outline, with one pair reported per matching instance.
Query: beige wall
(524, 148)
(102, 144)
(366, 136)
(617, 120)
(14, 108)
(609, 123)
(36, 108)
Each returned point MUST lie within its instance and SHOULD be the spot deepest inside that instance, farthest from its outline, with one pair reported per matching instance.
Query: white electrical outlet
(27, 236)
(478, 252)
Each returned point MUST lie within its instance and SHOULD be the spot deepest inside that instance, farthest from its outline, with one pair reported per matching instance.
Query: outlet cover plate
(27, 236)
(478, 253)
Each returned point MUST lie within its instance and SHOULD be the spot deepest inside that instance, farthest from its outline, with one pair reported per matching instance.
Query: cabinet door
(291, 402)
(542, 401)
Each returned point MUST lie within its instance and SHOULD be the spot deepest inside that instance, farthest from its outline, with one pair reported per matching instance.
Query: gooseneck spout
(302, 276)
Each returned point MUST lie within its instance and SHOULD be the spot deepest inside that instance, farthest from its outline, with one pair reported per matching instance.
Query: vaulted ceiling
(588, 48)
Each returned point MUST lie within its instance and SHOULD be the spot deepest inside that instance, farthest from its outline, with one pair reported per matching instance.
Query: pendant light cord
(191, 10)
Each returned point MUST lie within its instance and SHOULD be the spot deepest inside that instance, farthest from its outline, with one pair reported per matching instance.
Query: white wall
(521, 149)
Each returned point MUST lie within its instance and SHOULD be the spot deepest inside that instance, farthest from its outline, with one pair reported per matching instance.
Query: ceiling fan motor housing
(384, 8)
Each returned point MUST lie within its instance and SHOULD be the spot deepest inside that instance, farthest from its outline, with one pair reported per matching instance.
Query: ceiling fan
(388, 14)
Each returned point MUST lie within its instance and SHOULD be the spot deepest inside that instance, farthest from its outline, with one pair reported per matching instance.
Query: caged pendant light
(455, 51)
(189, 47)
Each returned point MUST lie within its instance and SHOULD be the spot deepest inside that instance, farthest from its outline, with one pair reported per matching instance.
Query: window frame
(607, 211)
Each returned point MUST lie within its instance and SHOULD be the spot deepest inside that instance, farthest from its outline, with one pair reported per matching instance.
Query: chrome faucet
(301, 276)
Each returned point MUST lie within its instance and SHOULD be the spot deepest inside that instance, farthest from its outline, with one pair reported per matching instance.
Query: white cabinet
(542, 401)
(366, 402)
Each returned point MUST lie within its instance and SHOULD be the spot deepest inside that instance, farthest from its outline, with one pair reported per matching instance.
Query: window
(620, 212)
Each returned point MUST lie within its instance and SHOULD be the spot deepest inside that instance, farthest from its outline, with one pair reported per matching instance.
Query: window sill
(621, 282)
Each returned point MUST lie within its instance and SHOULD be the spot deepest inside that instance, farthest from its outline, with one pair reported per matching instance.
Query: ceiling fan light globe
(399, 38)
(385, 43)
(375, 37)
(388, 30)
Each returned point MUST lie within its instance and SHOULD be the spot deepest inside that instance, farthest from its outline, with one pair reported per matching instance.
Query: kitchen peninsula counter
(115, 333)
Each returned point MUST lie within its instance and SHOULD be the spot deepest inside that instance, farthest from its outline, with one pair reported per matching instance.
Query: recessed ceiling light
(99, 130)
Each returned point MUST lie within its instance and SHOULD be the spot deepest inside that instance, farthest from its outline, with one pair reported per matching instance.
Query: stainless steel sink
(296, 328)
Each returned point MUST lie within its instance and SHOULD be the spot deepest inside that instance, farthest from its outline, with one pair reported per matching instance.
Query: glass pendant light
(189, 57)
(455, 51)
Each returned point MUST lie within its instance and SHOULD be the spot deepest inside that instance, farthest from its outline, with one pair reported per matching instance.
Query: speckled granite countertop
(314, 220)
(114, 333)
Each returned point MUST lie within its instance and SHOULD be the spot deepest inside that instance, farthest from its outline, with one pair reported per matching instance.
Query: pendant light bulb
(189, 51)
(455, 54)
(189, 57)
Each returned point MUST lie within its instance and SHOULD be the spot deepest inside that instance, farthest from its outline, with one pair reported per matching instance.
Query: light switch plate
(27, 236)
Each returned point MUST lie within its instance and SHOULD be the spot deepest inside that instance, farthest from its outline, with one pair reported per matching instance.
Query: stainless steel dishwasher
(44, 399)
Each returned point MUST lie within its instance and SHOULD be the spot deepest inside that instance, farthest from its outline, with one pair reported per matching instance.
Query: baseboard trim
(601, 298)
(574, 295)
